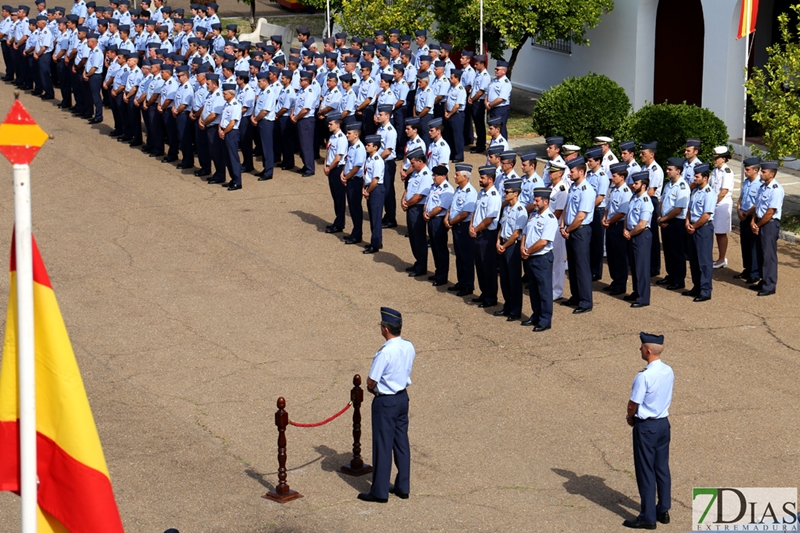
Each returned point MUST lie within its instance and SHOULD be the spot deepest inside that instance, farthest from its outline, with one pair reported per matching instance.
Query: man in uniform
(558, 200)
(388, 379)
(648, 409)
(745, 209)
(458, 220)
(672, 219)
(536, 251)
(577, 231)
(387, 152)
(553, 151)
(483, 228)
(648, 155)
(454, 115)
(303, 118)
(353, 180)
(263, 118)
(374, 191)
(477, 94)
(700, 228)
(467, 78)
(628, 155)
(766, 225)
(438, 149)
(229, 133)
(599, 180)
(512, 223)
(614, 223)
(436, 206)
(419, 186)
(640, 212)
(608, 156)
(690, 152)
(498, 96)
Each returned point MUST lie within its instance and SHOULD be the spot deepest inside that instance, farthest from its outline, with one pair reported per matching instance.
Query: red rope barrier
(337, 415)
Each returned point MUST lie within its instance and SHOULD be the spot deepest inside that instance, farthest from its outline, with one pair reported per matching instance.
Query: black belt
(395, 394)
(637, 420)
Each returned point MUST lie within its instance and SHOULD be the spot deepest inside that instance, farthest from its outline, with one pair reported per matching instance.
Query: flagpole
(480, 47)
(25, 356)
(328, 18)
(747, 45)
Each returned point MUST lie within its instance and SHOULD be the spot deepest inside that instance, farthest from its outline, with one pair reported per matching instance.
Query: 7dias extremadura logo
(744, 509)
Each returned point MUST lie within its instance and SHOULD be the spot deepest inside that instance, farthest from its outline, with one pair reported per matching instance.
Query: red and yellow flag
(75, 493)
(747, 20)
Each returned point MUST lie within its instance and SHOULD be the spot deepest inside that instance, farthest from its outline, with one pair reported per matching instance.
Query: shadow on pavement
(332, 461)
(594, 489)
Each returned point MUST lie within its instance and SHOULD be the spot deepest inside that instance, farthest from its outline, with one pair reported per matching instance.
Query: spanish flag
(747, 20)
(75, 493)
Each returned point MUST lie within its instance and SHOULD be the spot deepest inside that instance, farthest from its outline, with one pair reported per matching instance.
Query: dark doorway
(680, 33)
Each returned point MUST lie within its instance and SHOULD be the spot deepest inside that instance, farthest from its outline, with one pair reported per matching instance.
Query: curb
(788, 237)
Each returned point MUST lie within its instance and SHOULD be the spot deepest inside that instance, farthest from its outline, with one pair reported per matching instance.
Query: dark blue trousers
(701, 260)
(288, 132)
(580, 273)
(355, 193)
(455, 135)
(399, 123)
(390, 437)
(502, 112)
(464, 248)
(266, 129)
(390, 197)
(368, 126)
(674, 237)
(246, 143)
(134, 130)
(639, 258)
(155, 137)
(95, 84)
(479, 119)
(45, 60)
(203, 147)
(596, 244)
(540, 273)
(423, 128)
(171, 129)
(76, 81)
(437, 232)
(217, 146)
(338, 194)
(767, 244)
(748, 245)
(65, 82)
(375, 210)
(511, 279)
(617, 256)
(651, 460)
(116, 112)
(416, 236)
(469, 137)
(7, 60)
(231, 155)
(486, 264)
(186, 136)
(305, 135)
(655, 246)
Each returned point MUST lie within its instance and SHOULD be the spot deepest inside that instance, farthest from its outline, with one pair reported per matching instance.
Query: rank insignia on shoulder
(467, 190)
(494, 193)
(728, 170)
(683, 185)
(646, 198)
(774, 185)
(583, 188)
(551, 215)
(624, 189)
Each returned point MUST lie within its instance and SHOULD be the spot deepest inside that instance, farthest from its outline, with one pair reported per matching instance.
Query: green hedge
(671, 125)
(581, 109)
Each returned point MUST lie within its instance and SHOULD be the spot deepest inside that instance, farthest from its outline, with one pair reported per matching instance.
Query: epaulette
(583, 187)
(774, 185)
(505, 80)
(467, 190)
(728, 170)
(425, 171)
(683, 185)
(389, 127)
(646, 198)
(494, 193)
(551, 215)
(624, 189)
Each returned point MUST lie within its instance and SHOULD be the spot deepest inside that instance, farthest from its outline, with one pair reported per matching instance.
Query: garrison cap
(263, 75)
(628, 146)
(467, 53)
(425, 57)
(616, 168)
(420, 33)
(411, 121)
(385, 108)
(228, 87)
(554, 141)
(276, 39)
(693, 142)
(26, 9)
(212, 77)
(480, 58)
(167, 68)
(369, 48)
(386, 77)
(242, 73)
(394, 31)
(416, 154)
(340, 35)
(353, 126)
(294, 59)
(575, 162)
(269, 49)
(331, 55)
(595, 152)
(399, 66)
(41, 17)
(390, 316)
(457, 72)
(752, 161)
(422, 75)
(255, 63)
(528, 156)
(366, 64)
(502, 63)
(649, 146)
(496, 121)
(332, 76)
(542, 192)
(70, 16)
(434, 46)
(334, 116)
(463, 167)
(497, 149)
(166, 9)
(212, 5)
(306, 75)
(765, 165)
(705, 167)
(677, 162)
(508, 156)
(125, 27)
(447, 46)
(379, 33)
(374, 139)
(230, 65)
(642, 175)
(435, 123)
(183, 68)
(488, 170)
(649, 338)
(303, 30)
(346, 77)
(439, 64)
(514, 184)
(405, 38)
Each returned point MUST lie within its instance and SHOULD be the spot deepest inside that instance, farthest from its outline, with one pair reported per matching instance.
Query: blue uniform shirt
(464, 200)
(184, 96)
(652, 390)
(400, 90)
(373, 170)
(529, 184)
(513, 219)
(247, 99)
(419, 183)
(411, 145)
(499, 88)
(640, 208)
(675, 195)
(487, 206)
(599, 182)
(618, 201)
(770, 197)
(749, 193)
(337, 145)
(424, 98)
(440, 196)
(581, 198)
(388, 141)
(702, 201)
(688, 170)
(232, 112)
(391, 366)
(456, 95)
(541, 227)
(356, 157)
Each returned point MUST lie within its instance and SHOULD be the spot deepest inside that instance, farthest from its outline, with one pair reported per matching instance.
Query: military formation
(182, 88)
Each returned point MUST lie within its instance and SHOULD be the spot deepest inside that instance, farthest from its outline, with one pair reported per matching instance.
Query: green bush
(581, 109)
(671, 125)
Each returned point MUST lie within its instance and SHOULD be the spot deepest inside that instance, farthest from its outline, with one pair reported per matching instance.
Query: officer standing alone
(648, 409)
(388, 379)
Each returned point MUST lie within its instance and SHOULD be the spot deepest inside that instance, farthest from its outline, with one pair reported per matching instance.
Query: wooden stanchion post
(356, 466)
(282, 492)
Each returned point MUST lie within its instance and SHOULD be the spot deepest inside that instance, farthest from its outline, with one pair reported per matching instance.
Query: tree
(775, 92)
(362, 17)
(511, 23)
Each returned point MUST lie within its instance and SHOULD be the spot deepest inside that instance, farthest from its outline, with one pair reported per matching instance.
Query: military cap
(399, 66)
(528, 156)
(765, 165)
(212, 5)
(374, 139)
(422, 75)
(340, 35)
(439, 170)
(480, 58)
(183, 68)
(306, 75)
(331, 55)
(649, 146)
(405, 53)
(307, 53)
(294, 59)
(369, 48)
(302, 30)
(434, 46)
(244, 73)
(156, 61)
(216, 26)
(230, 65)
(286, 73)
(102, 22)
(496, 121)
(26, 9)
(721, 151)
(436, 123)
(150, 22)
(255, 63)
(676, 162)
(439, 64)
(600, 140)
(386, 77)
(752, 161)
(508, 156)
(628, 146)
(332, 76)
(91, 4)
(425, 57)
(390, 316)
(616, 168)
(417, 153)
(705, 167)
(353, 126)
(463, 167)
(72, 17)
(279, 59)
(513, 184)
(411, 121)
(420, 33)
(497, 149)
(467, 53)
(393, 44)
(269, 49)
(488, 170)
(140, 22)
(62, 20)
(168, 68)
(228, 87)
(166, 9)
(568, 149)
(502, 63)
(649, 338)
(146, 63)
(385, 108)
(161, 28)
(572, 163)
(594, 152)
(61, 9)
(366, 64)
(556, 166)
(379, 33)
(643, 176)
(51, 11)
(328, 40)
(176, 10)
(334, 116)
(405, 38)
(93, 35)
(542, 192)
(446, 46)
(693, 142)
(457, 72)
(346, 77)
(83, 29)
(276, 39)
(275, 70)
(41, 17)
(125, 27)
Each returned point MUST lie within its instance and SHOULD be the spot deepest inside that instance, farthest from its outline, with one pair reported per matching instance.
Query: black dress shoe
(147, 149)
(690, 293)
(633, 524)
(370, 250)
(439, 283)
(663, 517)
(216, 182)
(247, 169)
(156, 154)
(500, 313)
(287, 168)
(416, 274)
(411, 269)
(464, 292)
(631, 297)
(485, 305)
(675, 287)
(477, 151)
(306, 174)
(527, 323)
(367, 497)
(114, 133)
(765, 293)
(478, 299)
(740, 275)
(609, 288)
(334, 229)
(263, 177)
(226, 183)
(95, 121)
(169, 159)
(432, 278)
(538, 329)
(638, 305)
(752, 280)
(401, 495)
(616, 292)
(756, 286)
(235, 187)
(664, 281)
(581, 310)
(352, 241)
(181, 166)
(596, 278)
(46, 97)
(513, 318)
(454, 288)
(389, 225)
(701, 298)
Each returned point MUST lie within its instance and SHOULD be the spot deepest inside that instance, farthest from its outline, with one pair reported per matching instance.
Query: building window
(559, 45)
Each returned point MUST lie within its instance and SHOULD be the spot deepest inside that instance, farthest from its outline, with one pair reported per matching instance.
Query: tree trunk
(253, 13)
(514, 54)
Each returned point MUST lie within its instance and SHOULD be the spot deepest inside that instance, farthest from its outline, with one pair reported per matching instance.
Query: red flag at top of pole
(20, 136)
(747, 20)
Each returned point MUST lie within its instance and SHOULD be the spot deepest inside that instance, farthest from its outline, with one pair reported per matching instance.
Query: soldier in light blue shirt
(766, 225)
(700, 228)
(536, 251)
(512, 222)
(454, 107)
(599, 181)
(458, 220)
(353, 179)
(672, 220)
(577, 230)
(745, 209)
(439, 85)
(181, 109)
(628, 155)
(436, 205)
(419, 182)
(530, 180)
(93, 74)
(438, 149)
(286, 128)
(209, 123)
(334, 164)
(637, 223)
(247, 99)
(165, 104)
(691, 151)
(118, 79)
(263, 118)
(374, 191)
(413, 143)
(388, 154)
(229, 132)
(483, 228)
(498, 95)
(423, 105)
(614, 223)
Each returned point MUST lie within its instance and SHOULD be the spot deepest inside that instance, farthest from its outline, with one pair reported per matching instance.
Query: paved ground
(191, 309)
